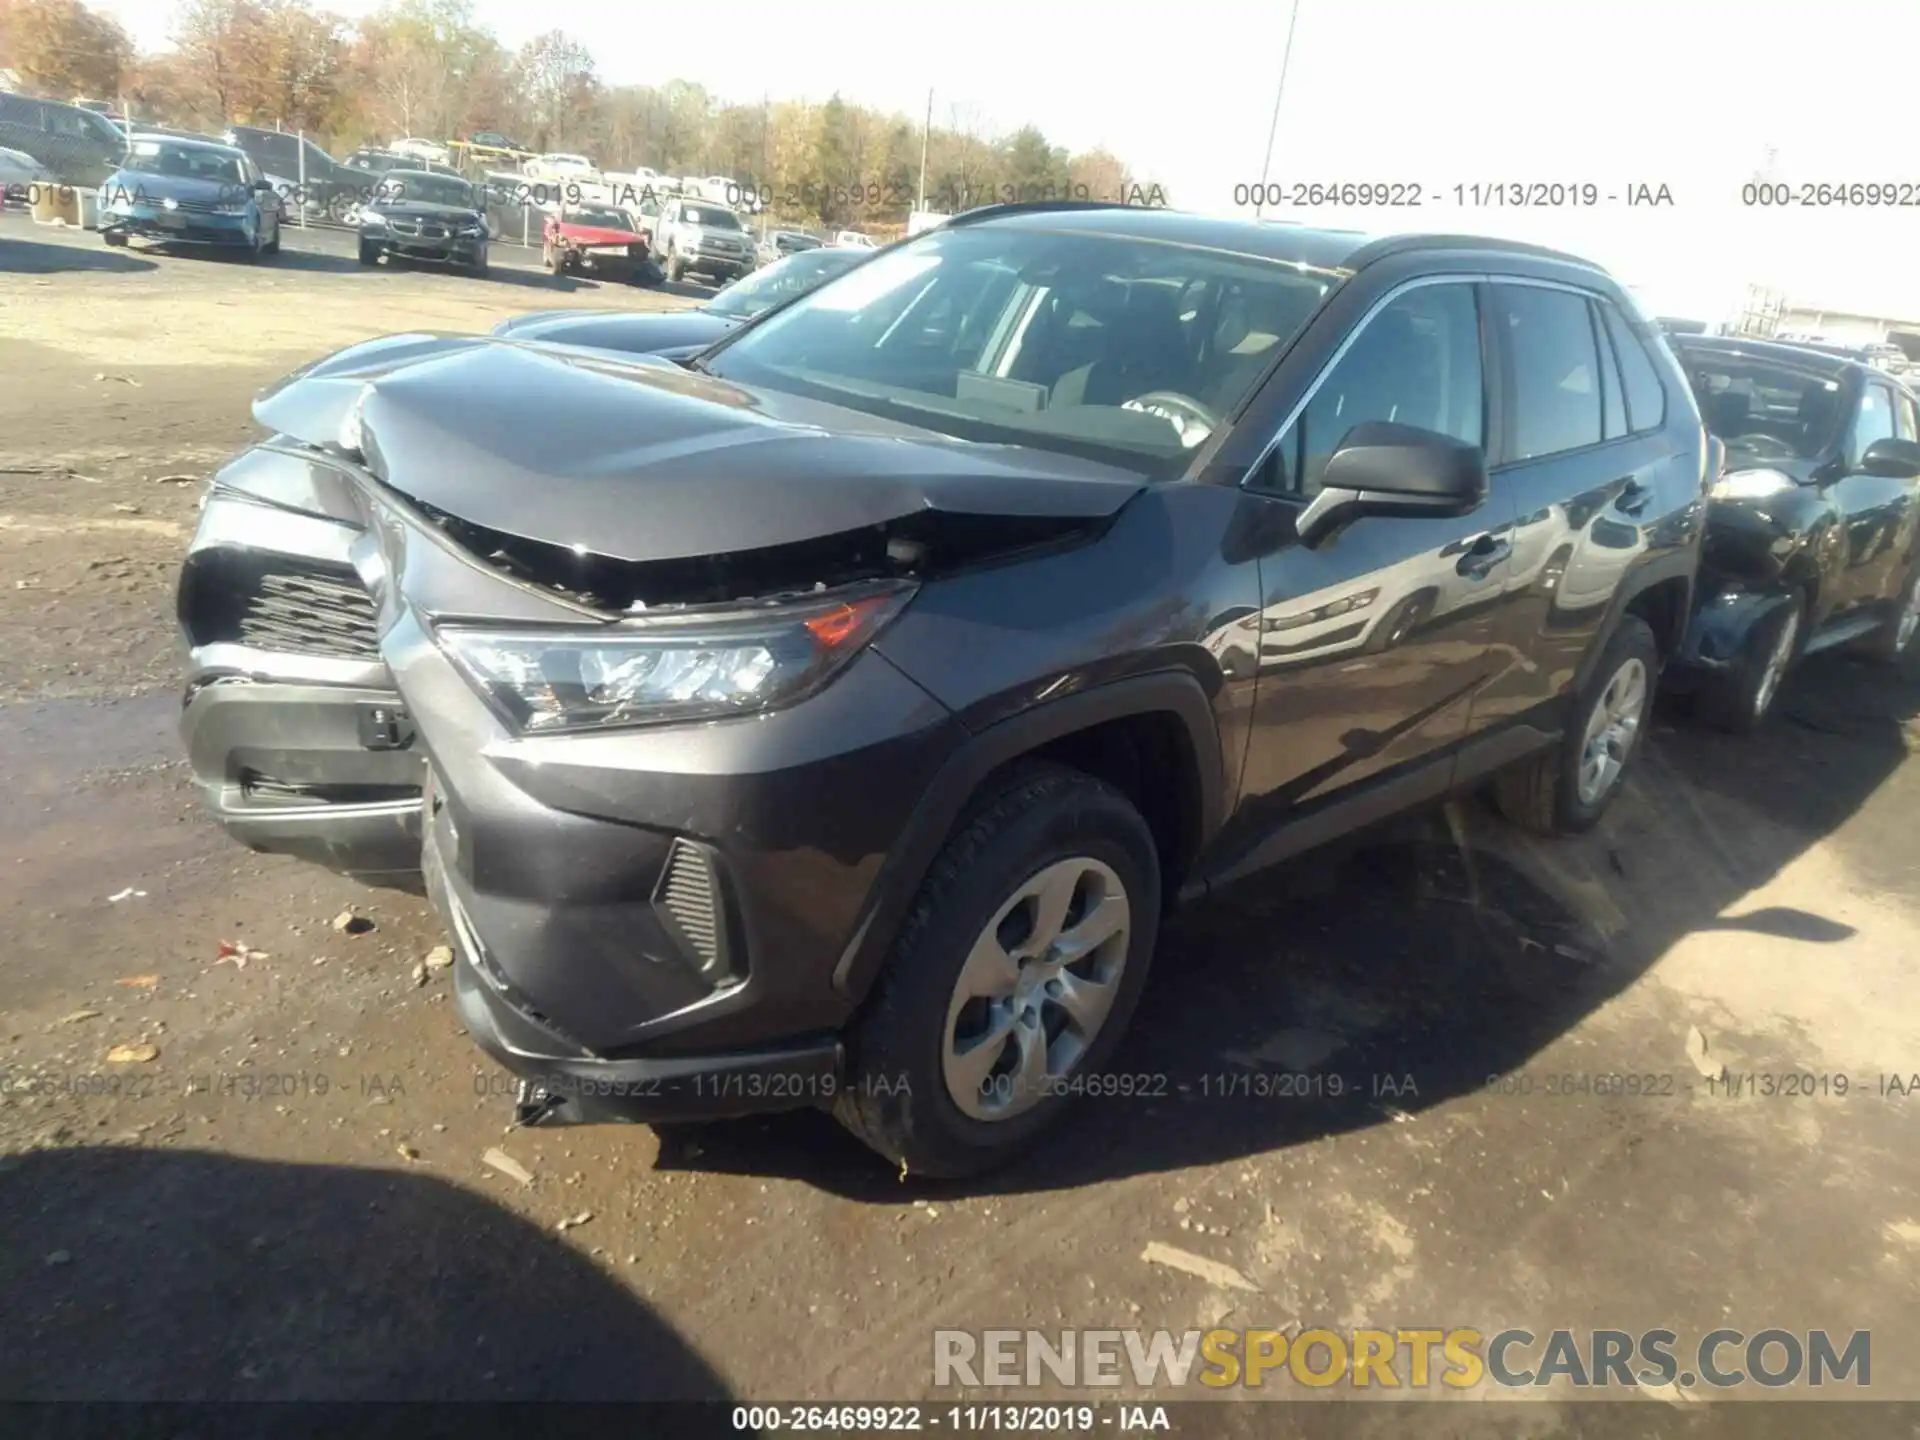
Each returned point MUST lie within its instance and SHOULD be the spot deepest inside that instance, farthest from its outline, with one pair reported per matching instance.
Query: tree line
(425, 68)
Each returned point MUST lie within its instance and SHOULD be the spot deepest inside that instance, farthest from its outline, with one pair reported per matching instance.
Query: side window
(1613, 411)
(1646, 396)
(1556, 371)
(1417, 362)
(1872, 421)
(1906, 417)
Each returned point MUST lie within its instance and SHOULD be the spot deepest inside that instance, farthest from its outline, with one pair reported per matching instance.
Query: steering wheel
(1189, 417)
(1761, 442)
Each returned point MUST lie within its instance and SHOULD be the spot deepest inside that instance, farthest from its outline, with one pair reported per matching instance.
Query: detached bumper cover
(181, 227)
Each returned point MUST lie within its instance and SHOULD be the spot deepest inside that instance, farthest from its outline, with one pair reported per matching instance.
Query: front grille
(423, 229)
(309, 610)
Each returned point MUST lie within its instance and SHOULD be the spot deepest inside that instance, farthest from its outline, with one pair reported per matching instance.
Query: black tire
(272, 247)
(895, 1097)
(1542, 793)
(369, 252)
(116, 241)
(1740, 700)
(479, 266)
(1885, 644)
(676, 267)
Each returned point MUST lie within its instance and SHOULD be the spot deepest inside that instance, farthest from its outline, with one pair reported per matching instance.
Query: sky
(1697, 96)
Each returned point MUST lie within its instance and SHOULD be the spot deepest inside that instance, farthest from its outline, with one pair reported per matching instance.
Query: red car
(597, 240)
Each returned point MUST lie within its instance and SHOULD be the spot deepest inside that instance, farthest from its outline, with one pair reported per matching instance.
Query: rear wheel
(1566, 789)
(1741, 699)
(1012, 979)
(1893, 642)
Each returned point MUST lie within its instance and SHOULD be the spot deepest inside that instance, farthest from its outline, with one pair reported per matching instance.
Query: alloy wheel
(1611, 729)
(1777, 661)
(1036, 988)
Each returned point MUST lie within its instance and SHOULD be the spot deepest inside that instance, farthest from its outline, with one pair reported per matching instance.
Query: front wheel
(480, 263)
(115, 239)
(676, 267)
(1566, 789)
(369, 252)
(1741, 699)
(1011, 980)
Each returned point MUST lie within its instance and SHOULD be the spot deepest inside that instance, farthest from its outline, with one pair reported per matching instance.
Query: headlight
(682, 667)
(473, 232)
(1750, 485)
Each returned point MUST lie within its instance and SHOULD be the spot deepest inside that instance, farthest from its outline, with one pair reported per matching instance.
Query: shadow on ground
(184, 1275)
(1418, 962)
(31, 257)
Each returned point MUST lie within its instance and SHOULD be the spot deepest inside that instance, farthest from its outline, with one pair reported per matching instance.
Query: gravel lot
(343, 1238)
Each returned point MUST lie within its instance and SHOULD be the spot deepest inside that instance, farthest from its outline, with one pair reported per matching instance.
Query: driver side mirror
(1385, 469)
(1893, 458)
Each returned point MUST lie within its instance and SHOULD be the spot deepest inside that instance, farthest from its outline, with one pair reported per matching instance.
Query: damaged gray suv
(831, 718)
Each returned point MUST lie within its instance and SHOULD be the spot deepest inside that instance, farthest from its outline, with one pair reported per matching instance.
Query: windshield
(710, 217)
(1122, 349)
(1762, 409)
(184, 162)
(408, 186)
(605, 216)
(780, 281)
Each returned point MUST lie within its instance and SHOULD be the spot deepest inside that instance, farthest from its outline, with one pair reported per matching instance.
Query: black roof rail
(1401, 244)
(1036, 207)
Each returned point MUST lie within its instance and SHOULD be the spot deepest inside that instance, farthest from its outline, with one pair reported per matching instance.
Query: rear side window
(1556, 371)
(1613, 410)
(1646, 396)
(1417, 362)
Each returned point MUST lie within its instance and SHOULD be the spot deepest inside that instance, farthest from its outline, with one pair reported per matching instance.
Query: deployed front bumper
(451, 250)
(294, 732)
(180, 226)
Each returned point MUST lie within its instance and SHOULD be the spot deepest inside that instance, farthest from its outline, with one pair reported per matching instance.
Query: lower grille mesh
(310, 611)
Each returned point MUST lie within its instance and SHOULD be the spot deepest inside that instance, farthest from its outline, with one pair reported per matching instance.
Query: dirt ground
(289, 1199)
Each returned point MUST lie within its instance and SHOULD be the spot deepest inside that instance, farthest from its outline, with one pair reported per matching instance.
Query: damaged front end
(619, 616)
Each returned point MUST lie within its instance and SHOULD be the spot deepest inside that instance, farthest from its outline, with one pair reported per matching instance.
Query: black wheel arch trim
(1654, 572)
(959, 779)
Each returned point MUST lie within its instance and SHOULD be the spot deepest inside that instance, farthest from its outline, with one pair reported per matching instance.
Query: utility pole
(1286, 56)
(926, 134)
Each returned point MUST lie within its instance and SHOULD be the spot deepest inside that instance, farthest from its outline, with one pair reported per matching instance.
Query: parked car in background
(190, 192)
(598, 240)
(701, 238)
(422, 150)
(560, 167)
(493, 140)
(677, 334)
(302, 174)
(372, 162)
(73, 145)
(1811, 533)
(770, 729)
(418, 215)
(18, 171)
(854, 239)
(781, 243)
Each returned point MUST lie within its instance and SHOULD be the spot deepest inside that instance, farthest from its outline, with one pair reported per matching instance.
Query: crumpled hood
(643, 334)
(599, 234)
(638, 459)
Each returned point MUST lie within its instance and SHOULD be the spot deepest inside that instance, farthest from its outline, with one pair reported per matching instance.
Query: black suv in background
(303, 175)
(1811, 537)
(831, 719)
(77, 146)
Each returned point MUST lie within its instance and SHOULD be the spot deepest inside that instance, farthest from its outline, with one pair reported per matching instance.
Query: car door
(1585, 458)
(1875, 509)
(1371, 644)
